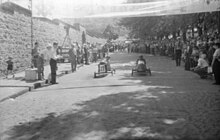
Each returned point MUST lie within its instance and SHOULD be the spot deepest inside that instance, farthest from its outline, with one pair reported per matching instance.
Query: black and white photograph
(109, 69)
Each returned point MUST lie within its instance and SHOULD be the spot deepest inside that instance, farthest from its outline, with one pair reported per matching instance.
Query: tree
(83, 37)
(163, 26)
(109, 33)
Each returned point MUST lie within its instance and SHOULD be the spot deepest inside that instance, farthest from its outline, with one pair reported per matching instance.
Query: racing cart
(103, 69)
(141, 69)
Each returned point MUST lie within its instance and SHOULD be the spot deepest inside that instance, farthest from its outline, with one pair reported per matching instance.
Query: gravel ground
(172, 104)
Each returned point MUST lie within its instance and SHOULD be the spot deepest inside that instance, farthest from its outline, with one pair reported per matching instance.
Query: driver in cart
(141, 64)
(106, 62)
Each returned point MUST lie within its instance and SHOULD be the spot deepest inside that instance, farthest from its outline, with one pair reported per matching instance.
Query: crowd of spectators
(195, 52)
(72, 53)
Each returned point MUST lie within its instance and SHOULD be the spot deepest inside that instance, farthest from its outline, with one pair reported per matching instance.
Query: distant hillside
(98, 25)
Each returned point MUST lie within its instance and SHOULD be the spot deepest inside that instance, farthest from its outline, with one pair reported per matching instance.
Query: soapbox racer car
(141, 69)
(103, 69)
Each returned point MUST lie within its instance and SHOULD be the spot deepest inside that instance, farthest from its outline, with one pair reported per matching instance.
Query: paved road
(171, 104)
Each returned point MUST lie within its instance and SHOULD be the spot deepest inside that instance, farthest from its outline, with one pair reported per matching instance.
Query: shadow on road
(84, 87)
(143, 115)
(165, 110)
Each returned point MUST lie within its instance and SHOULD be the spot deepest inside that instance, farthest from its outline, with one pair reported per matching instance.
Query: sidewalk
(13, 87)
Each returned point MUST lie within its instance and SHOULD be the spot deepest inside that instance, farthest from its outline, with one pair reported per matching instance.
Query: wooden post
(31, 24)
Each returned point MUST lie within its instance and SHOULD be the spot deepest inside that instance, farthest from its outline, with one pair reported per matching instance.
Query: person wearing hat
(10, 67)
(216, 63)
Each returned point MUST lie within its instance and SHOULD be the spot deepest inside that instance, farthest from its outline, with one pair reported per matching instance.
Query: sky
(115, 8)
(75, 3)
(77, 8)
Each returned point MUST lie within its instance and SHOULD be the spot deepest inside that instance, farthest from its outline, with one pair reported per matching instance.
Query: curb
(17, 94)
(45, 82)
(36, 85)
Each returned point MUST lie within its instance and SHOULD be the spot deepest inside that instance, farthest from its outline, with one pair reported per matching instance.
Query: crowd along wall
(15, 37)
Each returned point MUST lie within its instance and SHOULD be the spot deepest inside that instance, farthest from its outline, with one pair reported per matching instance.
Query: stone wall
(15, 40)
(15, 37)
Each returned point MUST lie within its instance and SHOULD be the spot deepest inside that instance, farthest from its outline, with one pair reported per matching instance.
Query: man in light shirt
(52, 56)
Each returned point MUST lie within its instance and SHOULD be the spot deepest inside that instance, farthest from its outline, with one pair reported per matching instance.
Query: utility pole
(31, 7)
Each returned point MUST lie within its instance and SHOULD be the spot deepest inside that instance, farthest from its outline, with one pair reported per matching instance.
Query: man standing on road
(35, 54)
(178, 53)
(188, 54)
(152, 47)
(52, 56)
(216, 63)
(72, 58)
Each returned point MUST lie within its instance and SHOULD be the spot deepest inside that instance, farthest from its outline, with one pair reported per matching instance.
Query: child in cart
(141, 64)
(106, 62)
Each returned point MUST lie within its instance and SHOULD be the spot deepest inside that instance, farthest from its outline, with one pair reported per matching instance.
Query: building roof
(10, 7)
